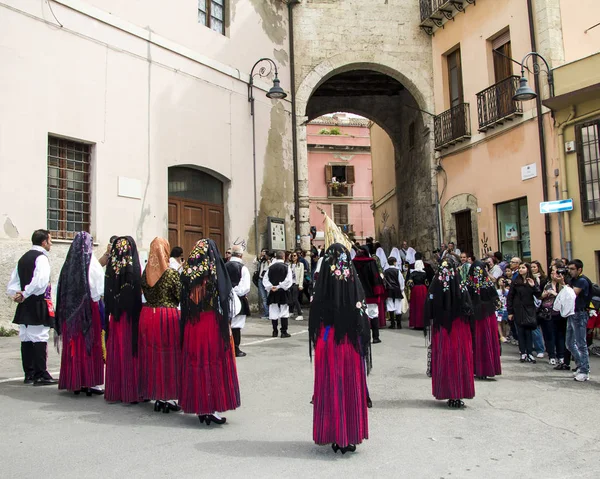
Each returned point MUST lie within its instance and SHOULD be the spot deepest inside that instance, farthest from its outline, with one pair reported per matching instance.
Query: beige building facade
(122, 120)
(494, 165)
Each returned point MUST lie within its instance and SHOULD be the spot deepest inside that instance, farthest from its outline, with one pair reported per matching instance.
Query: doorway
(464, 232)
(195, 209)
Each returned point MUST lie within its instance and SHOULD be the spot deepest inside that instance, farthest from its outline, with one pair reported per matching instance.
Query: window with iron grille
(212, 14)
(588, 156)
(68, 187)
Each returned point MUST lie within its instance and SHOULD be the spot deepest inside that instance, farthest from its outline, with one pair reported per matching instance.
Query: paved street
(532, 421)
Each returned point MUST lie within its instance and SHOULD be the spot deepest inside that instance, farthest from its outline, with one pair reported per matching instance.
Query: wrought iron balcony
(495, 104)
(452, 126)
(339, 190)
(435, 12)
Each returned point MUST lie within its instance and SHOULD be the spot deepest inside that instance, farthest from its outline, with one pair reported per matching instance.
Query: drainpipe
(294, 120)
(542, 139)
(563, 170)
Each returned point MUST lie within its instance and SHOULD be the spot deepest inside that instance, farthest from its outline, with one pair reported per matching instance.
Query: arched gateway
(396, 94)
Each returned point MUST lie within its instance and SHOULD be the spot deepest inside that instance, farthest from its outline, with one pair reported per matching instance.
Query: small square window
(211, 13)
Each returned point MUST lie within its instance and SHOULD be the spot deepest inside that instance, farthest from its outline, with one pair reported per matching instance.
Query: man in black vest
(29, 286)
(240, 280)
(394, 287)
(277, 282)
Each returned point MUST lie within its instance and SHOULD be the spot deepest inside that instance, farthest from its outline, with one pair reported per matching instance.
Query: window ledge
(66, 241)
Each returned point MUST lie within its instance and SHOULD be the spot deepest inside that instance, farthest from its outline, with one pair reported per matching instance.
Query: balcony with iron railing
(495, 104)
(452, 126)
(434, 13)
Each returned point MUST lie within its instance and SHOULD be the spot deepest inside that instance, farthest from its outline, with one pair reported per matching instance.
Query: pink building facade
(340, 175)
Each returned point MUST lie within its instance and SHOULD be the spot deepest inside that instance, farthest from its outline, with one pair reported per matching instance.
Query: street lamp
(275, 93)
(525, 92)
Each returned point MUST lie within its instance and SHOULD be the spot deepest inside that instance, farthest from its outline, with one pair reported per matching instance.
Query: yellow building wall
(384, 187)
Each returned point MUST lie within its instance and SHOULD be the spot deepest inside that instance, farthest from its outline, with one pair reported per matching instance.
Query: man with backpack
(576, 327)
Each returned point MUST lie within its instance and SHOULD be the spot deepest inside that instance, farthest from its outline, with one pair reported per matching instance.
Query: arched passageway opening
(402, 165)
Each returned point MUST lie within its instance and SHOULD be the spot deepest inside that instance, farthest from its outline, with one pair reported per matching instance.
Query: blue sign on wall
(556, 206)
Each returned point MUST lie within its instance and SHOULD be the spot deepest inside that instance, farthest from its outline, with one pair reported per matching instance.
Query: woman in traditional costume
(123, 303)
(78, 320)
(339, 334)
(209, 381)
(417, 284)
(160, 333)
(486, 345)
(447, 313)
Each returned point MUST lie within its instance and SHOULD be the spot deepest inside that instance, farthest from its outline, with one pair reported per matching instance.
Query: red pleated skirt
(122, 382)
(159, 353)
(452, 362)
(486, 347)
(209, 380)
(78, 368)
(340, 393)
(418, 295)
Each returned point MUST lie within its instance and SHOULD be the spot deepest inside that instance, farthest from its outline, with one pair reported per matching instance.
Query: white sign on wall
(129, 188)
(528, 171)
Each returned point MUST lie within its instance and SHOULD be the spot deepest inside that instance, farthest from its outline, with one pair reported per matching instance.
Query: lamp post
(275, 93)
(526, 93)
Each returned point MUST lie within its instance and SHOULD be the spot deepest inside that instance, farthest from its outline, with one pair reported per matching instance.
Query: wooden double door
(190, 221)
(464, 232)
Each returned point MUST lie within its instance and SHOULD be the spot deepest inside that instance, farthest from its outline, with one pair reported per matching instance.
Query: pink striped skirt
(159, 353)
(122, 382)
(418, 295)
(209, 380)
(340, 393)
(78, 367)
(452, 362)
(486, 348)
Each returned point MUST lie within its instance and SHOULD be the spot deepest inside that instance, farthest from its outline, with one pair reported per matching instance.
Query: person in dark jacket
(372, 284)
(521, 308)
(394, 288)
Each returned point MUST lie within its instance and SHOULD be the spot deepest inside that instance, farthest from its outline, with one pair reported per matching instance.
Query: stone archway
(416, 195)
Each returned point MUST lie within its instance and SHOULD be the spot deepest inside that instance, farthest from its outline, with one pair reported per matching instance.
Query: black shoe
(28, 380)
(284, 334)
(369, 403)
(240, 354)
(275, 334)
(45, 382)
(392, 325)
(95, 391)
(376, 341)
(172, 406)
(335, 447)
(158, 406)
(351, 448)
(212, 418)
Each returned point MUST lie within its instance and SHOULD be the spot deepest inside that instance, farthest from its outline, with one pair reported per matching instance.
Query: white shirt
(565, 302)
(96, 279)
(40, 280)
(176, 265)
(285, 284)
(243, 287)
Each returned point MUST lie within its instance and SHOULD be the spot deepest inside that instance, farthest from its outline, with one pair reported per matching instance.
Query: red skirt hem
(418, 296)
(486, 348)
(340, 393)
(78, 368)
(452, 362)
(209, 380)
(159, 353)
(122, 382)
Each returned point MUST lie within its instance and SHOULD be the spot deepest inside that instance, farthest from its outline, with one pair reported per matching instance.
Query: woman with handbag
(520, 304)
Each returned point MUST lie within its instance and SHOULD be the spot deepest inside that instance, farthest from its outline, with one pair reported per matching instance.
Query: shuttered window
(588, 156)
(340, 214)
(341, 173)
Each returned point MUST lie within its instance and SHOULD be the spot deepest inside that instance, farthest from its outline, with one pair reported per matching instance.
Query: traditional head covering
(73, 304)
(382, 258)
(419, 266)
(366, 268)
(448, 298)
(205, 286)
(482, 290)
(396, 254)
(339, 301)
(158, 260)
(123, 285)
(410, 255)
